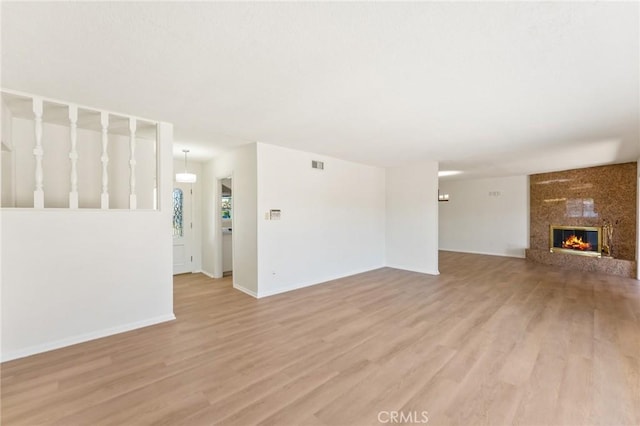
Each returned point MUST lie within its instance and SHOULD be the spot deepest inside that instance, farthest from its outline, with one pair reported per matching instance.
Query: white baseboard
(280, 290)
(245, 290)
(57, 344)
(521, 256)
(420, 271)
(209, 274)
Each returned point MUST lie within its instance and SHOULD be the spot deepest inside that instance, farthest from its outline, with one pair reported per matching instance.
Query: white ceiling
(487, 88)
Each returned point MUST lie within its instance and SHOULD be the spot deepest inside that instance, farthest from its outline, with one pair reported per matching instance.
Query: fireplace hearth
(580, 240)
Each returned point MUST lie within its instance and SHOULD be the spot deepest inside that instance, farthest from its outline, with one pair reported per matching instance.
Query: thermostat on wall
(274, 214)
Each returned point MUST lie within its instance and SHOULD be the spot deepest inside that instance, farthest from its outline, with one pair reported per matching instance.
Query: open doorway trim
(218, 235)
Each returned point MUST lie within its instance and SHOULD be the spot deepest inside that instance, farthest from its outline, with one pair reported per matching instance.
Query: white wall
(412, 217)
(476, 220)
(241, 164)
(6, 158)
(5, 143)
(71, 276)
(227, 252)
(196, 209)
(7, 117)
(209, 231)
(332, 220)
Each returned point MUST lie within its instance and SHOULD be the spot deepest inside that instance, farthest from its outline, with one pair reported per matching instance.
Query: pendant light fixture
(186, 177)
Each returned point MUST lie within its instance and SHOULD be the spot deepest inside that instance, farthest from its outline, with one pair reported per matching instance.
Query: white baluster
(73, 155)
(38, 152)
(132, 164)
(104, 120)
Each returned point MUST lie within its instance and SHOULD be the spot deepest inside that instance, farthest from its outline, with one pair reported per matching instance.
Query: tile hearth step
(605, 265)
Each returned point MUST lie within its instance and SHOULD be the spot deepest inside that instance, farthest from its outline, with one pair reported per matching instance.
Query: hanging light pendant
(186, 177)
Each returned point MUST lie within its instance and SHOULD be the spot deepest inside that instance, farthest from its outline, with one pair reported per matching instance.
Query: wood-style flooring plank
(491, 340)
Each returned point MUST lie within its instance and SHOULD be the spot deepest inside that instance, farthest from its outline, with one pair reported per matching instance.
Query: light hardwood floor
(490, 341)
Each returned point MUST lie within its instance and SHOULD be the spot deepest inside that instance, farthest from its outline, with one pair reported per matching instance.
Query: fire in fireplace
(575, 243)
(582, 240)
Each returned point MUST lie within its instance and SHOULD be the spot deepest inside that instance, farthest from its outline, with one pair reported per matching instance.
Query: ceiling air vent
(317, 165)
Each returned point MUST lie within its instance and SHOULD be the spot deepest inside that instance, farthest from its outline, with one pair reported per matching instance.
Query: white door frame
(218, 224)
(187, 225)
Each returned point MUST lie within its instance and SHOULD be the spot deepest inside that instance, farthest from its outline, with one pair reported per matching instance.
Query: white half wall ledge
(89, 274)
(86, 337)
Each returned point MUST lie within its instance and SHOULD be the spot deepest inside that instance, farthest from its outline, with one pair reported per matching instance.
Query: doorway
(226, 210)
(182, 229)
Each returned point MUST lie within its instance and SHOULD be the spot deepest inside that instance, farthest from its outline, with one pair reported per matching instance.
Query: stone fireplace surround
(585, 197)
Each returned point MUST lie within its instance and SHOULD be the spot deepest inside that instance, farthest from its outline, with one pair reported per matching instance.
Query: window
(226, 207)
(178, 198)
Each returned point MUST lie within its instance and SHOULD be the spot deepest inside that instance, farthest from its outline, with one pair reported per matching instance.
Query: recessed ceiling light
(443, 173)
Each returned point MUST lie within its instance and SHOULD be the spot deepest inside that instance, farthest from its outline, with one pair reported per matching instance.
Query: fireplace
(581, 240)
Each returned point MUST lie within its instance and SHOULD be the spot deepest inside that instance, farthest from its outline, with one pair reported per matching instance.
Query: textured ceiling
(487, 88)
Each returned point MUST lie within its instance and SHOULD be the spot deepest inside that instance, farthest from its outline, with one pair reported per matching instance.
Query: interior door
(182, 229)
